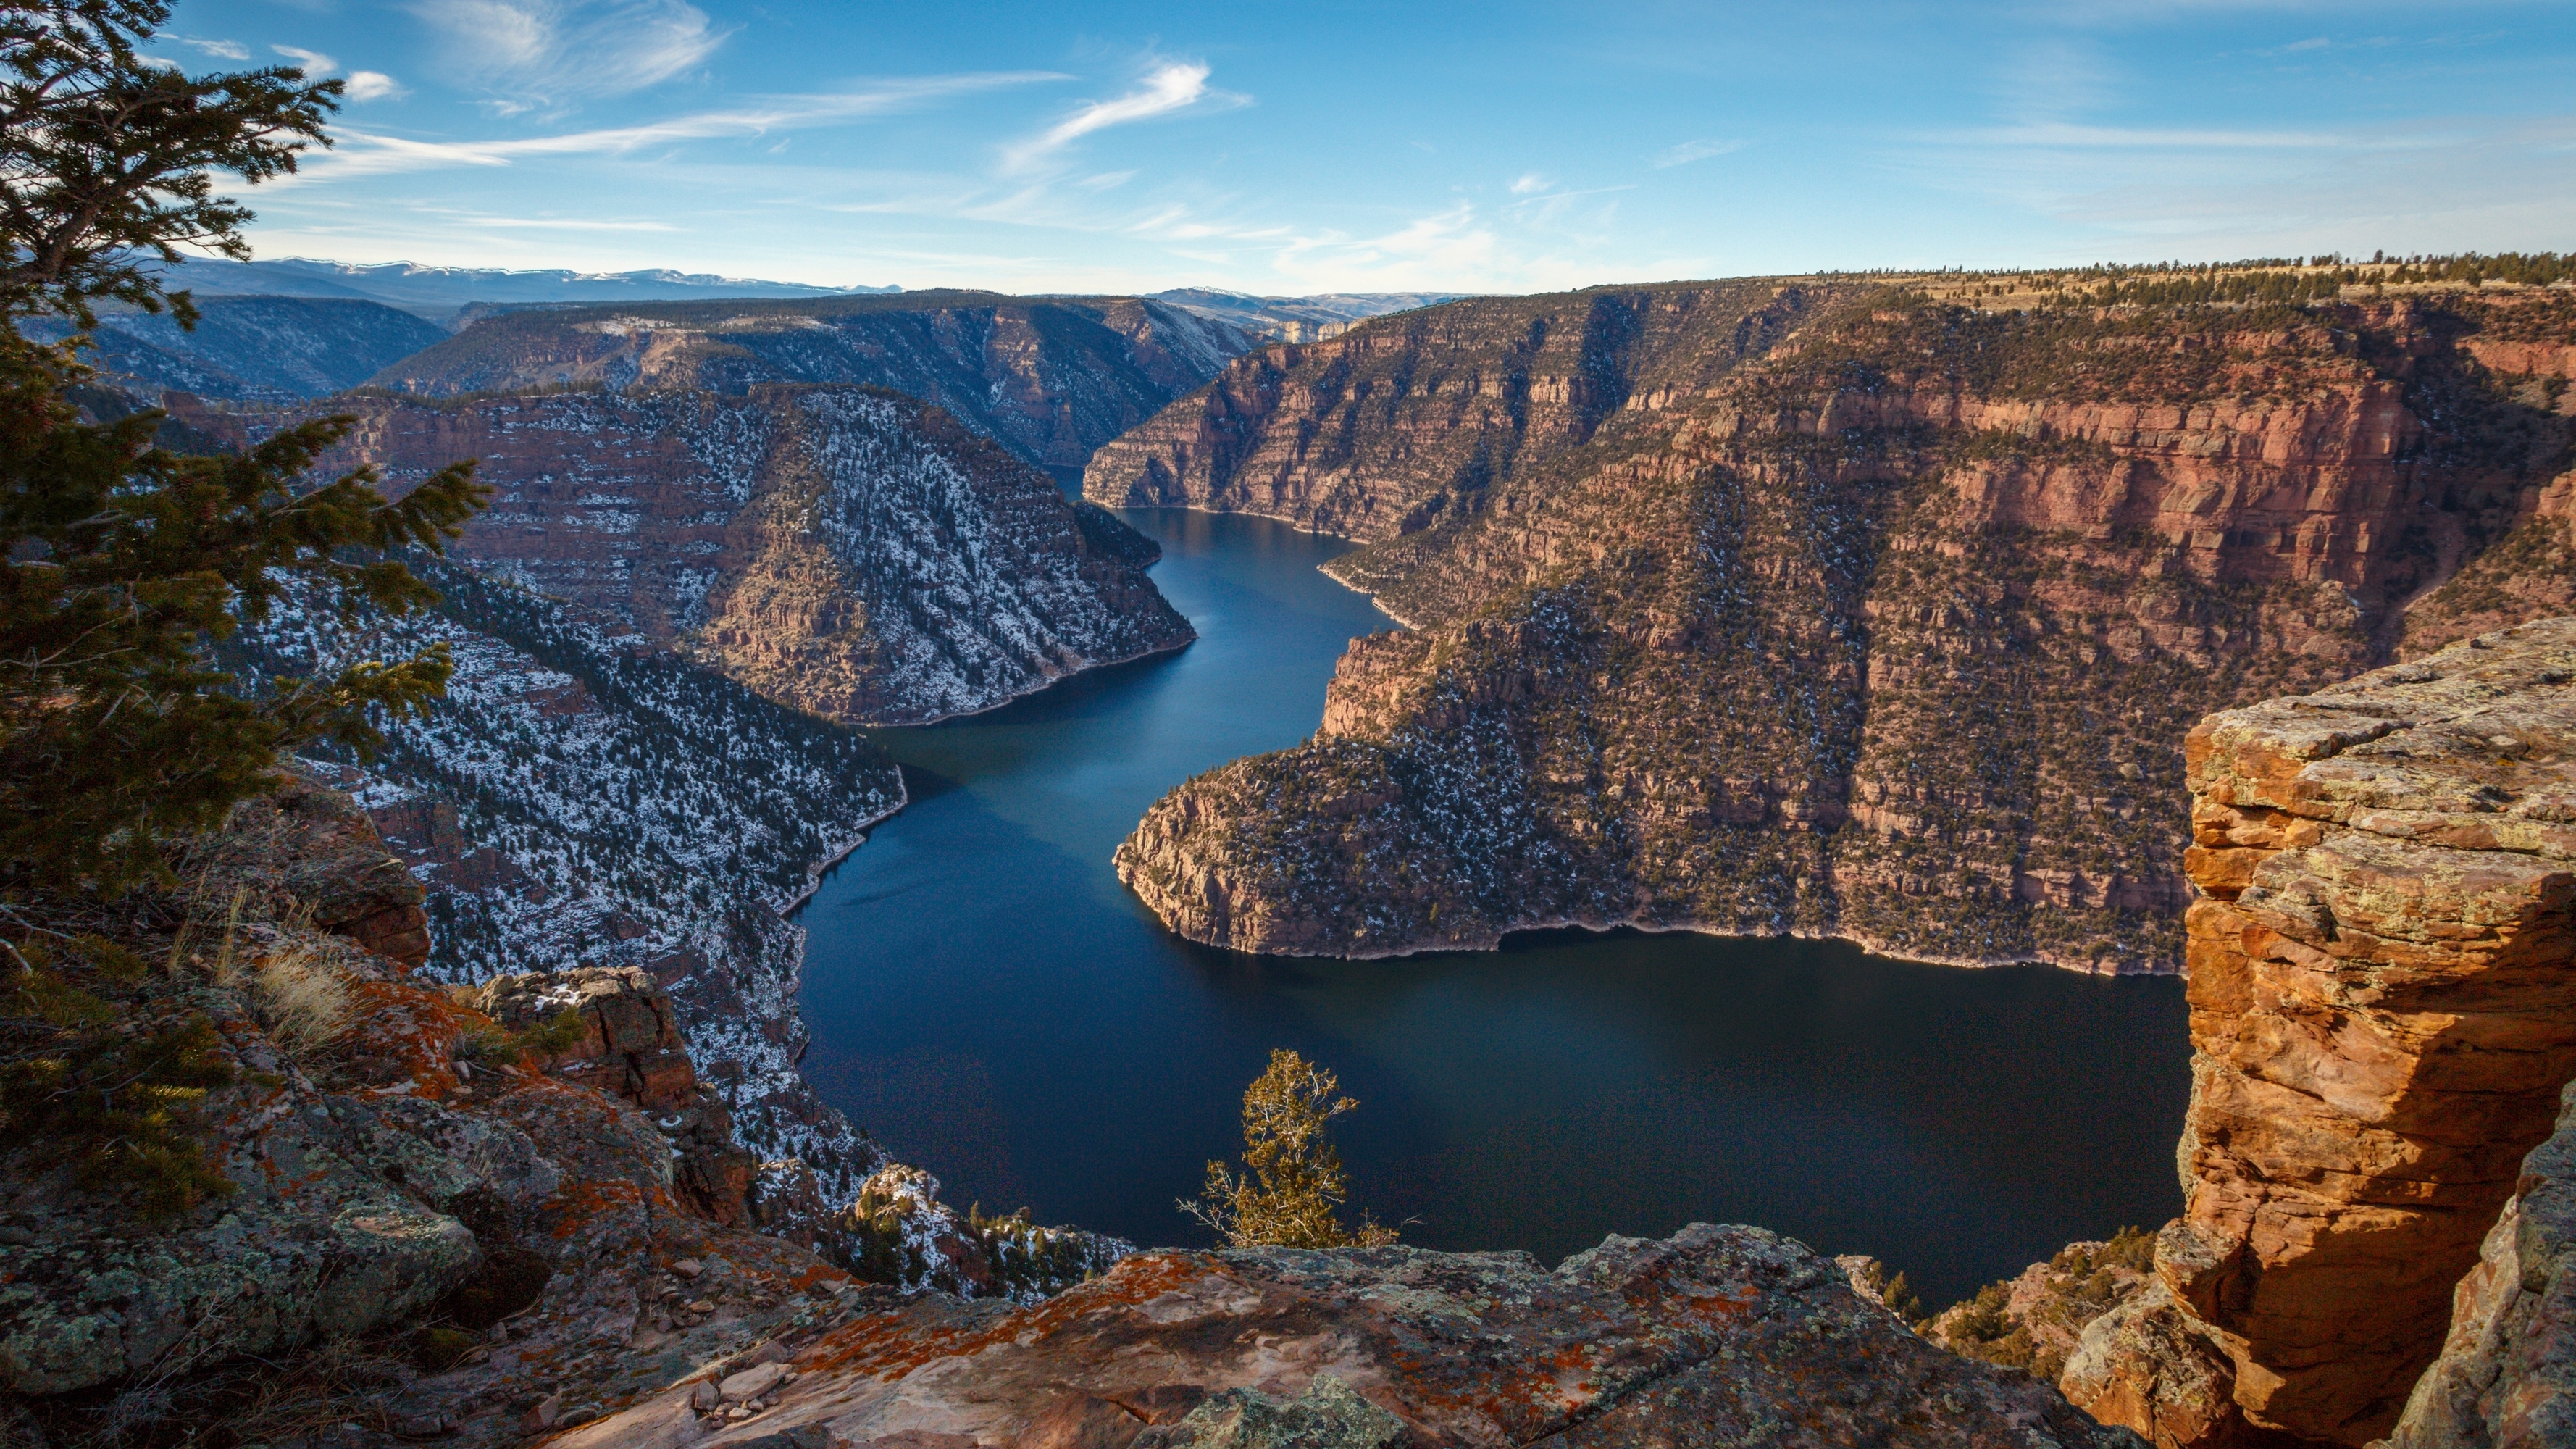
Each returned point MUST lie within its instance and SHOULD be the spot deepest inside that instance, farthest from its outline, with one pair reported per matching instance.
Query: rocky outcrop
(311, 852)
(2036, 1320)
(2506, 1378)
(2149, 1365)
(2382, 1011)
(432, 1217)
(1050, 379)
(393, 1170)
(842, 550)
(630, 1047)
(1858, 615)
(1713, 1336)
(2383, 1026)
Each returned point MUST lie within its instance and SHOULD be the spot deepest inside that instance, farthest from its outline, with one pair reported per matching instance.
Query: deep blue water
(992, 1004)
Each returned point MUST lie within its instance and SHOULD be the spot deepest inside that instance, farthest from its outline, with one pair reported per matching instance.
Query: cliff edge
(2383, 1014)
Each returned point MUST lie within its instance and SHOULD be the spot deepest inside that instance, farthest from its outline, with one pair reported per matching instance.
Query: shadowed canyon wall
(1826, 609)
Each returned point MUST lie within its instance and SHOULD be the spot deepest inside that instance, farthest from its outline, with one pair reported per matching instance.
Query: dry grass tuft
(305, 1004)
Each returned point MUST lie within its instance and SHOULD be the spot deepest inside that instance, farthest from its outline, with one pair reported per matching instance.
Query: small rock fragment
(751, 1383)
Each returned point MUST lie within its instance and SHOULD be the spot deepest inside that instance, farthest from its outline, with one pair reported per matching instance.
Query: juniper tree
(1292, 1186)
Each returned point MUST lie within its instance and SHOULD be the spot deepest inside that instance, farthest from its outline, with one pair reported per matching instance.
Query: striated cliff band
(2376, 1237)
(844, 550)
(1833, 608)
(1049, 378)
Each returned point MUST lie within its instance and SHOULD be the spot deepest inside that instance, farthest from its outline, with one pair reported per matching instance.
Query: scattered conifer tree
(1292, 1186)
(122, 561)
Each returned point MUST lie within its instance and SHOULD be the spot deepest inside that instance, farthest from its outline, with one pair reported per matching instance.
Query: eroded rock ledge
(1713, 1336)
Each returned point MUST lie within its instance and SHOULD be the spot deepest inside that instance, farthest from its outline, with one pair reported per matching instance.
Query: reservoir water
(989, 1002)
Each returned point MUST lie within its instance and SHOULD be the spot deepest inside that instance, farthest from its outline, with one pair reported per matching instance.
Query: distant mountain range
(441, 293)
(1297, 319)
(280, 331)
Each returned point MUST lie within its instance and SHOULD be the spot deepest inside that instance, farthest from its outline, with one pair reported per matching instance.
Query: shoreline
(1874, 945)
(858, 836)
(1033, 691)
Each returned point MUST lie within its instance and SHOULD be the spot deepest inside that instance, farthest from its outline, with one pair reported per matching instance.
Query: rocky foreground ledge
(2379, 1165)
(1714, 1336)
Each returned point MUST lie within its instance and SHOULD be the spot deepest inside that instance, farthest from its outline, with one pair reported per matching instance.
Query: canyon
(1803, 607)
(1823, 607)
(252, 349)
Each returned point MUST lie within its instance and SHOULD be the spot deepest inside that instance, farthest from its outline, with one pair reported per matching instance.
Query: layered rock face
(1714, 1336)
(1391, 428)
(2383, 1012)
(1837, 613)
(843, 550)
(1050, 379)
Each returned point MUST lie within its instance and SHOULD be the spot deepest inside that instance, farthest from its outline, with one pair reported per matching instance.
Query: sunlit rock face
(1714, 1336)
(2383, 989)
(840, 549)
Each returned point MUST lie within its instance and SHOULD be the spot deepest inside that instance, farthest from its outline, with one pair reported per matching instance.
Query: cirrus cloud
(536, 53)
(1169, 87)
(1689, 151)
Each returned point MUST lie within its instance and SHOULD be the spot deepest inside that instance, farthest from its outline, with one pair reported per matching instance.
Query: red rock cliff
(2383, 990)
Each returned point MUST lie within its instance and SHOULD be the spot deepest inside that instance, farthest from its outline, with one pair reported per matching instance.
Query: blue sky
(1325, 146)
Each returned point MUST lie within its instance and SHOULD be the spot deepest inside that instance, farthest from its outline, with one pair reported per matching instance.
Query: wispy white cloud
(1689, 151)
(372, 85)
(219, 49)
(537, 53)
(314, 62)
(1171, 86)
(363, 153)
(1529, 183)
(547, 223)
